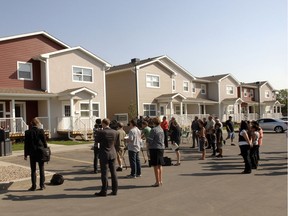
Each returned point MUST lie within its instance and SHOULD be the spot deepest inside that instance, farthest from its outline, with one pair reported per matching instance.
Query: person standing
(176, 139)
(134, 147)
(244, 144)
(144, 135)
(219, 139)
(97, 127)
(230, 130)
(195, 129)
(34, 140)
(165, 127)
(209, 131)
(107, 156)
(120, 146)
(202, 138)
(156, 148)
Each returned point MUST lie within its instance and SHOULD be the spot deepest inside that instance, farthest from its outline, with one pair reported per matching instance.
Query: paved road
(211, 187)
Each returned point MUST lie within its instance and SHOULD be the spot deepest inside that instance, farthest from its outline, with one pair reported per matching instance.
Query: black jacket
(34, 139)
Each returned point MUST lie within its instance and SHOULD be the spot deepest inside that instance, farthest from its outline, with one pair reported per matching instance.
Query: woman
(255, 147)
(219, 139)
(244, 144)
(202, 138)
(156, 149)
(33, 142)
(176, 139)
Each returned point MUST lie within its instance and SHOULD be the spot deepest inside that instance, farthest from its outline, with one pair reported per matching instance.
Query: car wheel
(278, 129)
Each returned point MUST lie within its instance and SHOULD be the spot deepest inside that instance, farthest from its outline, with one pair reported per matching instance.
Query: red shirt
(164, 125)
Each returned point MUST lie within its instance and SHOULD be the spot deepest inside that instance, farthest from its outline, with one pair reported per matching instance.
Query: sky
(246, 38)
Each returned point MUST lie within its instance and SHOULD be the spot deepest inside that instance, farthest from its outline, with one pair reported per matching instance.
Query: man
(107, 156)
(230, 130)
(120, 146)
(209, 131)
(195, 129)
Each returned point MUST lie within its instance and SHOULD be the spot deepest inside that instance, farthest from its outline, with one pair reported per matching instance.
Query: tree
(132, 110)
(282, 97)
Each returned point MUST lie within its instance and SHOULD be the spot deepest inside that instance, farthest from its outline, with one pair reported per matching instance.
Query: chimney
(135, 61)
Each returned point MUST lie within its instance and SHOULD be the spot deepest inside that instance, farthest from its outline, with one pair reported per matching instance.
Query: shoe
(32, 189)
(212, 155)
(177, 164)
(113, 193)
(119, 169)
(219, 156)
(245, 172)
(224, 142)
(101, 193)
(42, 187)
(131, 176)
(138, 176)
(95, 171)
(232, 144)
(155, 185)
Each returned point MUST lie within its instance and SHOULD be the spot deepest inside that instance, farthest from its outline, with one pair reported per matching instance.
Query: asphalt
(210, 187)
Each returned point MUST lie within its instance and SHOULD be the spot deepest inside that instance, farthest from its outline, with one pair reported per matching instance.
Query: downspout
(219, 102)
(137, 89)
(104, 93)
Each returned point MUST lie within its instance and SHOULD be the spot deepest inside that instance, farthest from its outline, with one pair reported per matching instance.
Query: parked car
(271, 124)
(284, 118)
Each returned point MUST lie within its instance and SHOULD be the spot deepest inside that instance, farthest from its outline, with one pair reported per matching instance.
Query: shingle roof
(213, 77)
(12, 92)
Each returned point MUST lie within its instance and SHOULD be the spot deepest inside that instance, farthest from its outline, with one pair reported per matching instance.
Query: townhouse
(63, 86)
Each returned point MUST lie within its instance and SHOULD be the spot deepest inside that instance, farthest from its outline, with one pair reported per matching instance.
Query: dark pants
(245, 152)
(254, 154)
(33, 162)
(195, 137)
(134, 163)
(96, 156)
(166, 138)
(104, 164)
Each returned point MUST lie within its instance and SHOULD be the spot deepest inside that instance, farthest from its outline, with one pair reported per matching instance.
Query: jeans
(134, 163)
(33, 162)
(245, 152)
(195, 137)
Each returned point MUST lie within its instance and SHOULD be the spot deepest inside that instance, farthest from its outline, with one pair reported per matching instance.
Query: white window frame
(80, 110)
(185, 88)
(173, 85)
(267, 94)
(245, 92)
(229, 88)
(230, 109)
(124, 118)
(151, 81)
(149, 111)
(251, 93)
(18, 70)
(203, 89)
(193, 88)
(82, 75)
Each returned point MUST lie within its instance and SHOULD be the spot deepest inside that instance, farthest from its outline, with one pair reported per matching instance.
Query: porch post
(49, 119)
(72, 113)
(13, 122)
(90, 113)
(13, 108)
(171, 109)
(186, 109)
(181, 108)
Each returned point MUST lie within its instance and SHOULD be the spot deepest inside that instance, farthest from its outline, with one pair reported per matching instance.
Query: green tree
(132, 110)
(282, 97)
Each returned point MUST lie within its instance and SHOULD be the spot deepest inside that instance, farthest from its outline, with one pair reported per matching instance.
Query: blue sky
(247, 38)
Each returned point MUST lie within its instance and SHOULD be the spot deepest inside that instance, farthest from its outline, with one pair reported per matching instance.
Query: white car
(271, 124)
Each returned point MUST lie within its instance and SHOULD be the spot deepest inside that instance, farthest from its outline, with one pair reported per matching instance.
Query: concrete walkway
(210, 187)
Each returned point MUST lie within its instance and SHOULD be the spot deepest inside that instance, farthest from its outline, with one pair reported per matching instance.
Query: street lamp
(259, 110)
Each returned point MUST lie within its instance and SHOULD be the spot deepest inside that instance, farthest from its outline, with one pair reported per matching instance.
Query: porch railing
(14, 125)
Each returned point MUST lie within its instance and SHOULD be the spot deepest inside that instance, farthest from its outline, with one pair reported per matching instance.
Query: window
(149, 110)
(251, 93)
(85, 111)
(245, 92)
(229, 90)
(2, 110)
(267, 94)
(230, 109)
(193, 88)
(177, 110)
(185, 86)
(203, 89)
(152, 81)
(173, 84)
(82, 74)
(24, 71)
(67, 110)
(121, 117)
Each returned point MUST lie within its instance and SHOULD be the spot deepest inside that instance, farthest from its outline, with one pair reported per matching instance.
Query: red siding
(23, 49)
(31, 110)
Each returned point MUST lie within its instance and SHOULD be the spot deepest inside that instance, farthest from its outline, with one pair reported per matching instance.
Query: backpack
(167, 161)
(57, 179)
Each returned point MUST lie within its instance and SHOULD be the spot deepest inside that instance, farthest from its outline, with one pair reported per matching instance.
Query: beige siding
(120, 92)
(227, 82)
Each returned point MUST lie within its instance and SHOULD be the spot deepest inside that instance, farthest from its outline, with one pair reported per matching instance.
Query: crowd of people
(111, 142)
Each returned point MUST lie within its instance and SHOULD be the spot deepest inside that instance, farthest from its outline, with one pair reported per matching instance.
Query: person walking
(134, 147)
(156, 148)
(244, 144)
(195, 129)
(34, 140)
(176, 139)
(230, 131)
(107, 156)
(165, 126)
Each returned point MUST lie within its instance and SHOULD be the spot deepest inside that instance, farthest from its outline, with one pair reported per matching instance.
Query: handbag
(45, 154)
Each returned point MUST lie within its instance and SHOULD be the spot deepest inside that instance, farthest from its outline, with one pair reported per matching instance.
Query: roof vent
(135, 60)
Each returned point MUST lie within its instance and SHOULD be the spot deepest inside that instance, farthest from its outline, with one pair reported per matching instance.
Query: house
(259, 100)
(156, 87)
(42, 77)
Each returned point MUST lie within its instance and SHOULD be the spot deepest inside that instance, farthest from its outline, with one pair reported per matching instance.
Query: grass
(20, 145)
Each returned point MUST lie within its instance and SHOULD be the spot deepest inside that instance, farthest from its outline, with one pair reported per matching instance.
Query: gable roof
(215, 78)
(47, 55)
(33, 34)
(259, 83)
